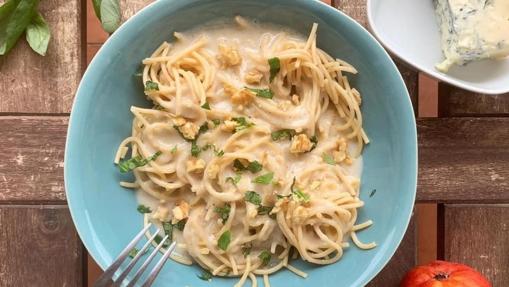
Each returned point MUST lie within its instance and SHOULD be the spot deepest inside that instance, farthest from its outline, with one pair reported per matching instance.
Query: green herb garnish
(180, 224)
(137, 161)
(234, 180)
(328, 159)
(174, 149)
(252, 166)
(298, 193)
(242, 124)
(108, 12)
(158, 240)
(206, 106)
(246, 249)
(265, 257)
(372, 193)
(217, 151)
(143, 209)
(264, 179)
(223, 212)
(224, 240)
(195, 149)
(264, 210)
(314, 140)
(216, 122)
(151, 86)
(283, 134)
(203, 128)
(168, 230)
(262, 93)
(275, 66)
(205, 275)
(133, 252)
(253, 197)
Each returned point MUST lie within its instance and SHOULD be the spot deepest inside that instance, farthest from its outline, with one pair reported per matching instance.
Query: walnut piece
(300, 144)
(195, 165)
(229, 55)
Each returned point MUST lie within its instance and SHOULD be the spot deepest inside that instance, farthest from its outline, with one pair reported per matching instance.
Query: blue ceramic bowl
(105, 214)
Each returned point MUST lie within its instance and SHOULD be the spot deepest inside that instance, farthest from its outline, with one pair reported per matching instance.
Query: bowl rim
(430, 72)
(80, 229)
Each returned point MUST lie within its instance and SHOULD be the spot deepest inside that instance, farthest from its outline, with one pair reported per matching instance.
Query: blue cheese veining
(472, 30)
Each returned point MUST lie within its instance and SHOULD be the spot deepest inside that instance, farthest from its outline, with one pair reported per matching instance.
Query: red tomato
(444, 274)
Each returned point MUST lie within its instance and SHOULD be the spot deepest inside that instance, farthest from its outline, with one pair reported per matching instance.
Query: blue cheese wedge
(472, 30)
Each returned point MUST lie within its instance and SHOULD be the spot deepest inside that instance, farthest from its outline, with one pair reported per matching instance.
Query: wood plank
(428, 96)
(478, 235)
(39, 247)
(463, 159)
(32, 166)
(458, 102)
(402, 261)
(35, 84)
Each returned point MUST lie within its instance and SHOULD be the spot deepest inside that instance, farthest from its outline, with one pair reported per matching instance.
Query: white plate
(409, 29)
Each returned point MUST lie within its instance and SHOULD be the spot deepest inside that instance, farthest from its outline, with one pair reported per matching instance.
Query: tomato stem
(441, 276)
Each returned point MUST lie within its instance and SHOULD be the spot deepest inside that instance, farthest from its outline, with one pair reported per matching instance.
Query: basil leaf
(143, 209)
(180, 224)
(224, 240)
(223, 212)
(110, 15)
(253, 197)
(234, 180)
(205, 275)
(97, 8)
(133, 252)
(254, 166)
(265, 257)
(151, 86)
(264, 179)
(158, 240)
(298, 193)
(206, 106)
(174, 149)
(203, 128)
(246, 249)
(283, 134)
(195, 149)
(328, 159)
(168, 230)
(216, 122)
(38, 34)
(15, 16)
(262, 93)
(264, 210)
(242, 124)
(275, 66)
(137, 161)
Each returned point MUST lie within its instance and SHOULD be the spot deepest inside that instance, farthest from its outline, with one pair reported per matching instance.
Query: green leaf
(133, 252)
(206, 106)
(174, 149)
(205, 275)
(264, 179)
(181, 224)
(151, 86)
(372, 193)
(314, 140)
(137, 161)
(298, 193)
(38, 34)
(242, 124)
(275, 66)
(253, 197)
(158, 240)
(234, 180)
(262, 93)
(168, 230)
(143, 209)
(15, 16)
(216, 122)
(219, 153)
(283, 134)
(195, 149)
(265, 257)
(328, 159)
(246, 249)
(264, 210)
(223, 212)
(224, 240)
(203, 128)
(97, 8)
(253, 166)
(110, 15)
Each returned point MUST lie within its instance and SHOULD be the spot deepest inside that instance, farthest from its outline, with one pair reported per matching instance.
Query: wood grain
(32, 165)
(478, 235)
(39, 247)
(401, 262)
(463, 159)
(34, 84)
(458, 102)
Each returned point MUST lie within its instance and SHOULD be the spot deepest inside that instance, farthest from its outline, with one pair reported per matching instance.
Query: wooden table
(463, 194)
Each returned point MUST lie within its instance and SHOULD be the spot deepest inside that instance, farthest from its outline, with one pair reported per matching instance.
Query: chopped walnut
(189, 130)
(181, 211)
(340, 154)
(195, 165)
(253, 77)
(179, 121)
(228, 126)
(300, 144)
(242, 97)
(212, 171)
(161, 213)
(300, 214)
(229, 55)
(295, 100)
(229, 89)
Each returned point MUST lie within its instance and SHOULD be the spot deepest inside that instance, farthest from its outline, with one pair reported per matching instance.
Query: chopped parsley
(137, 161)
(205, 275)
(264, 210)
(133, 252)
(253, 197)
(180, 224)
(265, 257)
(372, 193)
(168, 230)
(234, 180)
(246, 249)
(158, 240)
(174, 149)
(223, 212)
(262, 93)
(195, 149)
(314, 140)
(216, 122)
(143, 209)
(224, 240)
(328, 159)
(283, 134)
(217, 151)
(206, 106)
(298, 193)
(203, 128)
(252, 166)
(264, 179)
(242, 124)
(151, 86)
(275, 66)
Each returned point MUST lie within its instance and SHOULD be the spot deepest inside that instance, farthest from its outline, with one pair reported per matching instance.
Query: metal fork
(107, 276)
